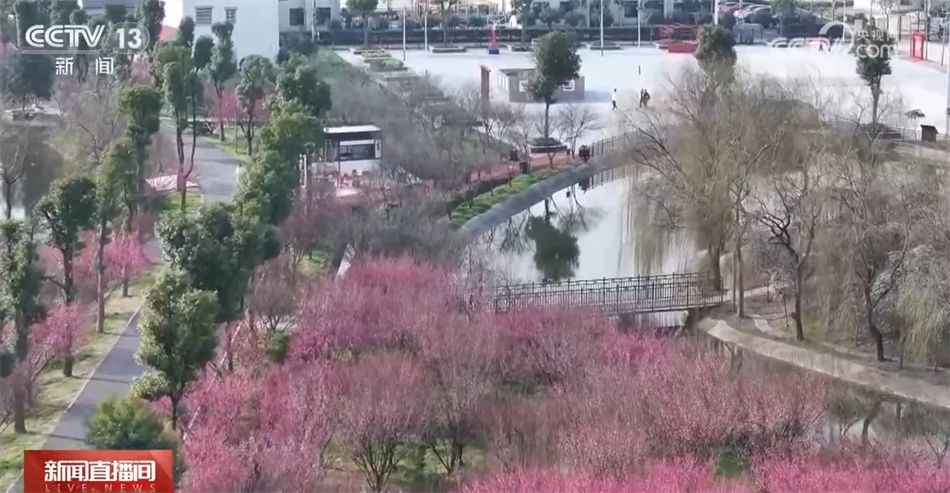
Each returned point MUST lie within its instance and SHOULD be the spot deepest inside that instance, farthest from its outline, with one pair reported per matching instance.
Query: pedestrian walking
(613, 99)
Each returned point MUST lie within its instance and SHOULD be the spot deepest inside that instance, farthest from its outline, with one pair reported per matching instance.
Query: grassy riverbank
(481, 203)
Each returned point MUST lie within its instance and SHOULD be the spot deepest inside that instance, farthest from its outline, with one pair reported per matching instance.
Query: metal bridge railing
(642, 294)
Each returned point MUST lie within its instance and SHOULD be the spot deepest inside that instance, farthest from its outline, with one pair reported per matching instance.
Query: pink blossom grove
(394, 379)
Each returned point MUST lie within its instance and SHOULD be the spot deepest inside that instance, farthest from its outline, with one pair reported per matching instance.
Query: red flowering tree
(274, 297)
(308, 224)
(125, 258)
(272, 439)
(378, 304)
(461, 352)
(65, 331)
(550, 346)
(673, 476)
(386, 401)
(850, 470)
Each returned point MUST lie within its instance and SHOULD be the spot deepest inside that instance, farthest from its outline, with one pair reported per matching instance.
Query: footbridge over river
(616, 296)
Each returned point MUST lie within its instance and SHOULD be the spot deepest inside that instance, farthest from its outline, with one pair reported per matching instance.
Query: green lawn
(237, 148)
(172, 202)
(316, 263)
(467, 210)
(58, 391)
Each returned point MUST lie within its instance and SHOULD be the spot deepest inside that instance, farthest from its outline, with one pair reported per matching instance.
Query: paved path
(835, 365)
(216, 174)
(216, 171)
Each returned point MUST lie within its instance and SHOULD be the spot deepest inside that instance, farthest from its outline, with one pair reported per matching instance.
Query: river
(586, 232)
(603, 228)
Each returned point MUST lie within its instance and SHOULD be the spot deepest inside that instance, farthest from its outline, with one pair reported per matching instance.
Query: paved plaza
(920, 85)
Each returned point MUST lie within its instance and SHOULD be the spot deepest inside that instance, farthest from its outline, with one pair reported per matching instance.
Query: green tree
(25, 77)
(127, 424)
(177, 338)
(784, 10)
(177, 68)
(716, 53)
(267, 187)
(256, 73)
(67, 210)
(20, 283)
(521, 9)
(550, 17)
(217, 250)
(62, 10)
(200, 58)
(593, 12)
(141, 106)
(445, 7)
(115, 186)
(288, 134)
(299, 82)
(186, 32)
(873, 57)
(116, 13)
(555, 62)
(151, 13)
(363, 8)
(222, 66)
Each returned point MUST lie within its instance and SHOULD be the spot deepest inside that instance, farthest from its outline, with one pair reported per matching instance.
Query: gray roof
(101, 4)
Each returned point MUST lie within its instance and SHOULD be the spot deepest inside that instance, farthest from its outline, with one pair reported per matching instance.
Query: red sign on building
(98, 471)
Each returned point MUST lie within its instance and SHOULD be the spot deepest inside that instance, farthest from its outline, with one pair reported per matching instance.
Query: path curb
(14, 487)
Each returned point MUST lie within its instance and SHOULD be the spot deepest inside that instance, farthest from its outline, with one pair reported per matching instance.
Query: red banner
(98, 471)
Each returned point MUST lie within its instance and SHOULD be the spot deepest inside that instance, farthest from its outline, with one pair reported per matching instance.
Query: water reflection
(555, 249)
(586, 232)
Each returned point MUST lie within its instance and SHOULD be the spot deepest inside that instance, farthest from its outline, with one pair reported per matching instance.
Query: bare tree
(702, 153)
(791, 210)
(91, 119)
(574, 121)
(15, 150)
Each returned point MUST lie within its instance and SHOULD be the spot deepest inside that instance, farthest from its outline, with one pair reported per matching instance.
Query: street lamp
(425, 25)
(639, 11)
(602, 27)
(404, 33)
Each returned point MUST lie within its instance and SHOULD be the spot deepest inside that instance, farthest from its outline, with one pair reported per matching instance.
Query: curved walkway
(841, 367)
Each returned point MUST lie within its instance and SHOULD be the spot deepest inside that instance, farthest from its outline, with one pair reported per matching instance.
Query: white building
(306, 16)
(256, 22)
(96, 7)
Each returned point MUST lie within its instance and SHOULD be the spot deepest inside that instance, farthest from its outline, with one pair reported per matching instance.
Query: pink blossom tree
(378, 304)
(385, 402)
(462, 353)
(857, 470)
(274, 296)
(125, 258)
(309, 221)
(550, 346)
(683, 475)
(273, 440)
(65, 329)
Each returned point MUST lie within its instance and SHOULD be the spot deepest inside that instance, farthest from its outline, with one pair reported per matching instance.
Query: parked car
(747, 12)
(728, 7)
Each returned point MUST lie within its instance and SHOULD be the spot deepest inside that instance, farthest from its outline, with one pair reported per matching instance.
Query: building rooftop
(350, 129)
